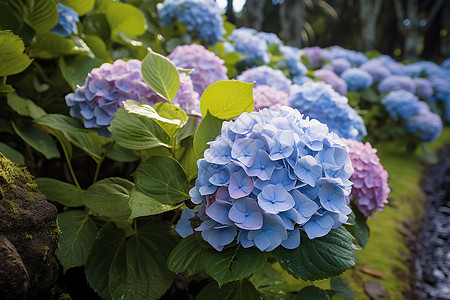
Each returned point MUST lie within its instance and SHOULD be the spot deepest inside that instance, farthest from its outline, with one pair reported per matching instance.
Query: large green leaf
(88, 140)
(62, 192)
(121, 154)
(12, 154)
(98, 47)
(125, 18)
(233, 263)
(78, 232)
(237, 290)
(39, 140)
(12, 58)
(319, 258)
(24, 107)
(137, 132)
(48, 45)
(75, 68)
(142, 205)
(41, 15)
(163, 179)
(161, 75)
(227, 99)
(189, 162)
(60, 122)
(80, 6)
(109, 197)
(208, 129)
(312, 293)
(342, 288)
(133, 268)
(185, 257)
(357, 226)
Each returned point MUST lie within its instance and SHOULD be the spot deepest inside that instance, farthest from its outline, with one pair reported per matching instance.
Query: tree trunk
(446, 24)
(369, 11)
(292, 18)
(254, 14)
(229, 13)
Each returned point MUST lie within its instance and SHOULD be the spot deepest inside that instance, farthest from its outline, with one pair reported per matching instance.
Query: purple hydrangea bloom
(424, 89)
(265, 96)
(441, 88)
(355, 58)
(401, 104)
(201, 17)
(426, 124)
(317, 56)
(446, 64)
(332, 79)
(103, 91)
(246, 42)
(292, 61)
(267, 176)
(208, 67)
(370, 180)
(319, 101)
(67, 19)
(338, 65)
(394, 67)
(357, 79)
(395, 82)
(264, 75)
(376, 69)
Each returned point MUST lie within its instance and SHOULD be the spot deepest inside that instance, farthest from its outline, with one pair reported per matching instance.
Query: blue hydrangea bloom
(376, 69)
(264, 75)
(201, 17)
(269, 37)
(401, 104)
(355, 58)
(426, 125)
(394, 67)
(316, 56)
(395, 82)
(441, 95)
(424, 89)
(424, 68)
(357, 79)
(332, 79)
(319, 101)
(268, 175)
(67, 19)
(292, 61)
(338, 65)
(246, 42)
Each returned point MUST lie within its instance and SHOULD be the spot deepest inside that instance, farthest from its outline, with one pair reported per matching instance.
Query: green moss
(13, 175)
(46, 248)
(28, 236)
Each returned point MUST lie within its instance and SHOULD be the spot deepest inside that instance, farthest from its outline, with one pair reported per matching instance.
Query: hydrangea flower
(426, 124)
(265, 96)
(269, 37)
(103, 91)
(427, 68)
(332, 79)
(339, 65)
(376, 69)
(446, 64)
(67, 19)
(355, 58)
(394, 67)
(246, 41)
(292, 61)
(370, 180)
(317, 56)
(319, 101)
(395, 82)
(268, 175)
(202, 17)
(401, 104)
(208, 67)
(441, 95)
(424, 89)
(357, 79)
(264, 75)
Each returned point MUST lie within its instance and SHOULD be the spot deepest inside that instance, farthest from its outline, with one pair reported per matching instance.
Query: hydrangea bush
(67, 21)
(265, 75)
(266, 96)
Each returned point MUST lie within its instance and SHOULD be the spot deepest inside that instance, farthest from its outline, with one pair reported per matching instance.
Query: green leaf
(12, 154)
(60, 122)
(358, 229)
(118, 153)
(87, 140)
(142, 205)
(12, 58)
(109, 197)
(185, 71)
(271, 282)
(78, 232)
(189, 162)
(75, 68)
(161, 75)
(163, 179)
(137, 132)
(41, 15)
(237, 290)
(342, 288)
(233, 263)
(185, 257)
(24, 107)
(48, 45)
(96, 24)
(98, 47)
(80, 6)
(319, 258)
(133, 268)
(62, 192)
(227, 99)
(39, 140)
(312, 293)
(208, 129)
(125, 18)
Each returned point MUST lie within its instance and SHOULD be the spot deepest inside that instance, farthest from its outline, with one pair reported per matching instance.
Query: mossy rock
(28, 235)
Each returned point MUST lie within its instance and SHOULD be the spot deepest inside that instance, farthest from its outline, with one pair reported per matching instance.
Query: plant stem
(4, 80)
(74, 177)
(99, 163)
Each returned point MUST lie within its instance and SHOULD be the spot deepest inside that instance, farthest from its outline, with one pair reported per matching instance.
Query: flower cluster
(265, 96)
(264, 75)
(208, 67)
(319, 101)
(441, 88)
(395, 82)
(339, 65)
(424, 68)
(269, 37)
(370, 180)
(317, 56)
(424, 89)
(332, 79)
(268, 175)
(426, 124)
(202, 17)
(292, 61)
(247, 42)
(401, 104)
(355, 58)
(376, 69)
(67, 19)
(103, 91)
(357, 79)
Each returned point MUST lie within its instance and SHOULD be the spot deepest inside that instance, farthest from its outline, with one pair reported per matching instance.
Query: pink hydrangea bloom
(266, 96)
(370, 180)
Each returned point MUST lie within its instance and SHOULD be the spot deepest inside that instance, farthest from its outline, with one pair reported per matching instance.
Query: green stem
(4, 80)
(99, 163)
(74, 177)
